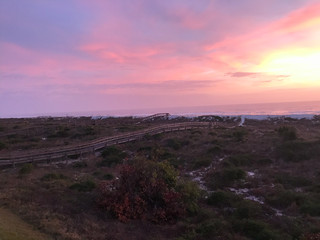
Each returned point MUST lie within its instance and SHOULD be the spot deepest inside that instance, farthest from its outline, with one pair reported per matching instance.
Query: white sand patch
(277, 212)
(243, 119)
(255, 199)
(245, 192)
(198, 177)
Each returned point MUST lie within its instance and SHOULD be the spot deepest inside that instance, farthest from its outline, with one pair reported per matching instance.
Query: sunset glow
(302, 65)
(78, 55)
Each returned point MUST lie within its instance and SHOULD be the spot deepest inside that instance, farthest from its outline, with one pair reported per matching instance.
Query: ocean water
(256, 111)
(298, 109)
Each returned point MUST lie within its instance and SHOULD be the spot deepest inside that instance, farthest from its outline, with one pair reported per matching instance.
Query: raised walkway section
(63, 153)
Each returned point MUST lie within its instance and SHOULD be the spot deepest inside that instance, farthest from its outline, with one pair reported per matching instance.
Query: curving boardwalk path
(63, 153)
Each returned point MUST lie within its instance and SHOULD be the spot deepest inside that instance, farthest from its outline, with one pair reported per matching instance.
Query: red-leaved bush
(311, 236)
(144, 190)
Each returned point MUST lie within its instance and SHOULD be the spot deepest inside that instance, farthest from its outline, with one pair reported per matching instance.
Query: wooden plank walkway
(154, 116)
(62, 153)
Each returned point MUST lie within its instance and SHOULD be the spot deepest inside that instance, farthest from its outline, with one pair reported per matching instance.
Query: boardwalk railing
(158, 115)
(63, 153)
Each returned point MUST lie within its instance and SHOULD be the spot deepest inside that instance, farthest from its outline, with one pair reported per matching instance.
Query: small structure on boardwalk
(164, 116)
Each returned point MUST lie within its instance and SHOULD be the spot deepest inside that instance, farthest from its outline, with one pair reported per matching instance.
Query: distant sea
(261, 110)
(298, 109)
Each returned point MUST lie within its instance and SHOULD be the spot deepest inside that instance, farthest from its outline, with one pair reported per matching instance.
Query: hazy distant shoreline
(187, 115)
(260, 110)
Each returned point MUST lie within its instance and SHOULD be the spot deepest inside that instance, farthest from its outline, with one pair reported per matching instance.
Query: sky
(99, 55)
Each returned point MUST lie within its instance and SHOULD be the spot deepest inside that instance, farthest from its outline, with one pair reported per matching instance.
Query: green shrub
(111, 156)
(83, 131)
(147, 137)
(2, 145)
(190, 195)
(297, 151)
(189, 235)
(239, 134)
(284, 198)
(62, 132)
(257, 230)
(249, 228)
(184, 142)
(168, 173)
(74, 156)
(222, 199)
(145, 149)
(194, 132)
(290, 119)
(241, 160)
(157, 136)
(175, 161)
(12, 136)
(173, 143)
(160, 154)
(287, 133)
(26, 169)
(202, 162)
(110, 161)
(246, 209)
(53, 176)
(311, 207)
(129, 128)
(264, 161)
(108, 176)
(292, 181)
(215, 150)
(164, 155)
(79, 165)
(211, 228)
(89, 131)
(232, 174)
(85, 186)
(112, 151)
(315, 188)
(226, 177)
(96, 173)
(218, 118)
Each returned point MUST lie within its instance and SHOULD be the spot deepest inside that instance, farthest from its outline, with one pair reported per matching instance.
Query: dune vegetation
(258, 181)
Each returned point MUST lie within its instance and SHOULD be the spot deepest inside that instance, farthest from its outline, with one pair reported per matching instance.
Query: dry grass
(13, 228)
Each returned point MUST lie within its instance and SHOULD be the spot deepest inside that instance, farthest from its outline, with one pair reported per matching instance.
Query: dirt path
(14, 228)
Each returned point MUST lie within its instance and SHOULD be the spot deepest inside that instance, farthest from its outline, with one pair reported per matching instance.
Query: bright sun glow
(303, 66)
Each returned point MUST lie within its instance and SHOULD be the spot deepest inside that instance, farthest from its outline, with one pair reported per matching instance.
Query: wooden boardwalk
(155, 116)
(63, 153)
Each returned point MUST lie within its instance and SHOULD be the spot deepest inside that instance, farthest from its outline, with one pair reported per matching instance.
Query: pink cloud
(151, 62)
(294, 29)
(119, 53)
(300, 19)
